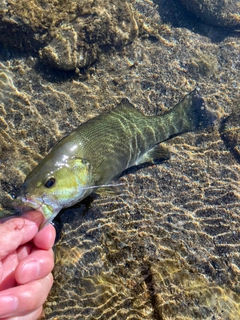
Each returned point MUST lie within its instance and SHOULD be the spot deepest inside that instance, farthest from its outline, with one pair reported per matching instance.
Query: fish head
(53, 186)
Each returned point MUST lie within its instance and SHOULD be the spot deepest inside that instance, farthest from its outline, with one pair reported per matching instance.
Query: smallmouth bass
(99, 150)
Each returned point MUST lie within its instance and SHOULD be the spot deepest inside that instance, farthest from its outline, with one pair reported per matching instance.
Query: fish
(92, 157)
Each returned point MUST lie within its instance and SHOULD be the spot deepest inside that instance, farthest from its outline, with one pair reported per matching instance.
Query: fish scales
(92, 156)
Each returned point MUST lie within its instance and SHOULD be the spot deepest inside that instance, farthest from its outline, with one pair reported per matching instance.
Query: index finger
(18, 230)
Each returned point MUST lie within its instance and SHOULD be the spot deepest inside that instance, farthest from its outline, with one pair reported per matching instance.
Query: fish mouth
(49, 208)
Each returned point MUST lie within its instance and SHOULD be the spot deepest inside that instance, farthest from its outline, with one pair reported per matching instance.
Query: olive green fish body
(98, 151)
(122, 137)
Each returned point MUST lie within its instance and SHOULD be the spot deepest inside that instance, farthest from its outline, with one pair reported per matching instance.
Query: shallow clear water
(168, 247)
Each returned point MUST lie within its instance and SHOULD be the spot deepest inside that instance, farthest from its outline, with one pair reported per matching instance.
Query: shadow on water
(65, 215)
(136, 168)
(172, 12)
(7, 54)
(52, 75)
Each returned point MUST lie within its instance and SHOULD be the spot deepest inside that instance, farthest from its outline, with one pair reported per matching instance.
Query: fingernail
(8, 304)
(30, 272)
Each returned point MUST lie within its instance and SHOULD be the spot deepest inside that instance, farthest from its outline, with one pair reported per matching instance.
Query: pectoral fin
(110, 190)
(159, 152)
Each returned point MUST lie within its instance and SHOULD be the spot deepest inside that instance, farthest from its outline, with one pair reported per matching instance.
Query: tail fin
(191, 114)
(199, 116)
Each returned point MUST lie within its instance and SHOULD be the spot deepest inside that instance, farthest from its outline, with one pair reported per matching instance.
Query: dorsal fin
(126, 105)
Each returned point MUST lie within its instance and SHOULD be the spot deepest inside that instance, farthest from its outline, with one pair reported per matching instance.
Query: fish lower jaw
(23, 204)
(48, 210)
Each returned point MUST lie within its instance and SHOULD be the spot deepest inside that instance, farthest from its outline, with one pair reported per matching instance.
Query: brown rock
(71, 34)
(78, 43)
(216, 12)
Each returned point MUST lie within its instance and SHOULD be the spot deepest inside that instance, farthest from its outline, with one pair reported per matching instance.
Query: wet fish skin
(98, 151)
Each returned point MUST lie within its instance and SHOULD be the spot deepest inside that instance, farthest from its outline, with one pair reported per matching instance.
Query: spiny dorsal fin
(125, 105)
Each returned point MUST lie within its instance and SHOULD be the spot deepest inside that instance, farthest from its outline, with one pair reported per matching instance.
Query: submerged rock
(70, 34)
(78, 43)
(216, 12)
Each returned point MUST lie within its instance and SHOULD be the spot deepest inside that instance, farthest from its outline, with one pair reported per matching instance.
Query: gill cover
(81, 169)
(72, 182)
(72, 191)
(69, 191)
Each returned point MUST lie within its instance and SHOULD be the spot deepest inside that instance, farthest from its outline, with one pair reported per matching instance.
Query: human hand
(26, 262)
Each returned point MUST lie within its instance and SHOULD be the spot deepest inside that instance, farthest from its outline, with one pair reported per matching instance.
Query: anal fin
(159, 152)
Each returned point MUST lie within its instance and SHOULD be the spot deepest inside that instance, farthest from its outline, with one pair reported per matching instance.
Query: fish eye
(50, 182)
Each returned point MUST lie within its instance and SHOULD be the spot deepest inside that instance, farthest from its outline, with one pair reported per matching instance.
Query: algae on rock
(69, 34)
